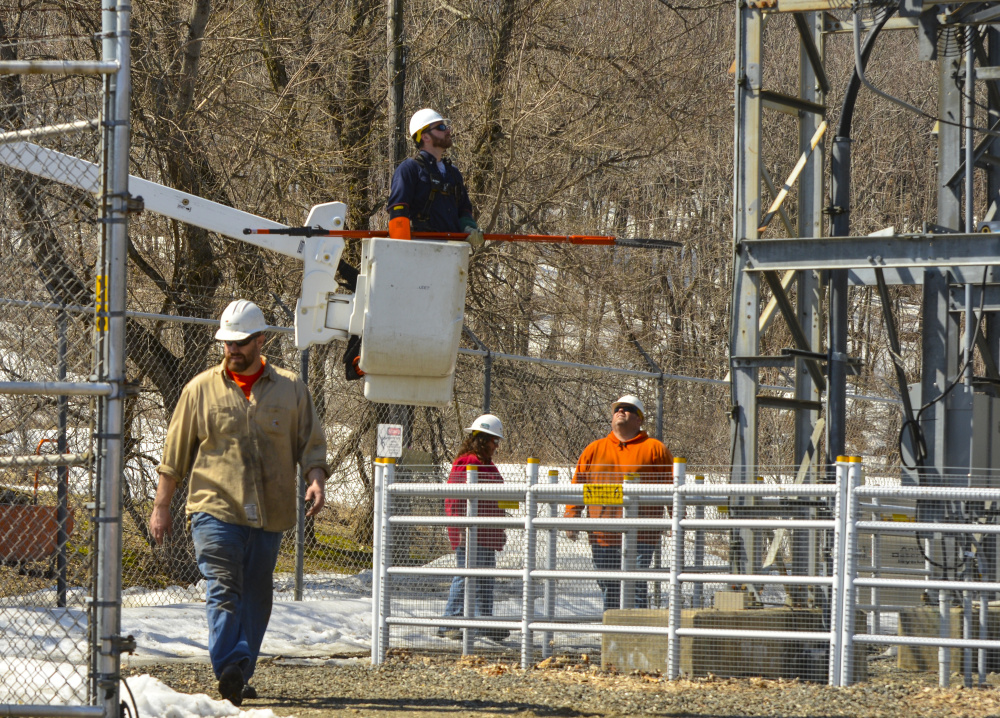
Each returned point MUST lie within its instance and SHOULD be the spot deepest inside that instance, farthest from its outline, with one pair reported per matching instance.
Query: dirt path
(465, 688)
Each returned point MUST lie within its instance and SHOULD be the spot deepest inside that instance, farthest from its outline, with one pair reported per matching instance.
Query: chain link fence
(50, 244)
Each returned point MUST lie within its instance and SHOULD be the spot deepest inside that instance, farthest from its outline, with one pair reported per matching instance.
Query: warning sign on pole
(389, 444)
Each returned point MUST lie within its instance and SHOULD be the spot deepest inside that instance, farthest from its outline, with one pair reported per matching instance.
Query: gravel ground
(408, 686)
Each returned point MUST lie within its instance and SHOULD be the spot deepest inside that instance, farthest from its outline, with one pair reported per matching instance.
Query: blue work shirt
(449, 210)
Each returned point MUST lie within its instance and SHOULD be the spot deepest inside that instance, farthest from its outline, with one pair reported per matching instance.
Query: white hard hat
(423, 118)
(634, 401)
(241, 319)
(488, 424)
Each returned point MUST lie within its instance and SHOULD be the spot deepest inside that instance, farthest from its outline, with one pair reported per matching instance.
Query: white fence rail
(837, 522)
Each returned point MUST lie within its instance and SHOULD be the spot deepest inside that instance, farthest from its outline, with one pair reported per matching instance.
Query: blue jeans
(609, 558)
(487, 558)
(238, 564)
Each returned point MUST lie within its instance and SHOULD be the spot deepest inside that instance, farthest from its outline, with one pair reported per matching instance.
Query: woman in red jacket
(477, 450)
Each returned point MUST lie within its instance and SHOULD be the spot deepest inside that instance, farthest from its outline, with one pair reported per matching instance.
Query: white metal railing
(942, 586)
(849, 499)
(534, 495)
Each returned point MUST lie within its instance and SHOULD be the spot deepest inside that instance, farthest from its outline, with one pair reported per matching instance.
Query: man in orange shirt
(626, 450)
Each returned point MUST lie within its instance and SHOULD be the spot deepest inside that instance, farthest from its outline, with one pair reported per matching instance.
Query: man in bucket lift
(427, 194)
(236, 434)
(626, 452)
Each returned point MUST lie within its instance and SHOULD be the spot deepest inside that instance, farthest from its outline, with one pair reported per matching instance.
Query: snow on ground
(152, 698)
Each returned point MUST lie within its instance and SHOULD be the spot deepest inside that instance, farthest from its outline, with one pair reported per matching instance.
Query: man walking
(236, 435)
(627, 450)
(428, 193)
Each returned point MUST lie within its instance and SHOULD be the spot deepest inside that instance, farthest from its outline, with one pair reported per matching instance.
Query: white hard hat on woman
(487, 424)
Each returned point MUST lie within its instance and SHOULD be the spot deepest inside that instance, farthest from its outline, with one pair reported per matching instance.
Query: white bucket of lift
(413, 309)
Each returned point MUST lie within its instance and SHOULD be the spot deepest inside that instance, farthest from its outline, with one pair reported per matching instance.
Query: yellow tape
(509, 504)
(101, 300)
(602, 494)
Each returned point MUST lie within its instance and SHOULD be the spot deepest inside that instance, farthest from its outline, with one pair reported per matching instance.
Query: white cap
(241, 319)
(423, 118)
(634, 401)
(488, 424)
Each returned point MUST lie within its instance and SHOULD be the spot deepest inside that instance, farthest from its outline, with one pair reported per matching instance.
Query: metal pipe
(530, 536)
(388, 476)
(928, 585)
(458, 571)
(379, 472)
(65, 67)
(697, 595)
(57, 388)
(676, 565)
(629, 550)
(300, 502)
(854, 479)
(926, 641)
(549, 587)
(944, 633)
(957, 493)
(111, 332)
(48, 131)
(46, 460)
(471, 557)
(837, 589)
(62, 474)
(487, 381)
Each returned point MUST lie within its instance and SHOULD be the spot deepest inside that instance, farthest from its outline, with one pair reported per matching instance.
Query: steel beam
(910, 251)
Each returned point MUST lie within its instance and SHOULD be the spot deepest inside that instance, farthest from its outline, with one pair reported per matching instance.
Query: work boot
(454, 634)
(231, 684)
(249, 693)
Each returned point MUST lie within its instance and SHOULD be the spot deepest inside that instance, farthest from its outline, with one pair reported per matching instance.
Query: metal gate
(63, 250)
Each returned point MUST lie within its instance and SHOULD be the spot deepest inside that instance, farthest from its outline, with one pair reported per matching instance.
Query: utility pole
(396, 72)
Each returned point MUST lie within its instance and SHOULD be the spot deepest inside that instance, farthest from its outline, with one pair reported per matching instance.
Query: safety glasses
(442, 127)
(628, 408)
(243, 342)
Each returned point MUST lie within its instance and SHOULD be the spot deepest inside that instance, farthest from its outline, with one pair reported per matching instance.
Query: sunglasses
(243, 342)
(442, 127)
(627, 408)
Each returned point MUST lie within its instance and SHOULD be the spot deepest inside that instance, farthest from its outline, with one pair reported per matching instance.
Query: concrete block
(723, 656)
(926, 621)
(730, 600)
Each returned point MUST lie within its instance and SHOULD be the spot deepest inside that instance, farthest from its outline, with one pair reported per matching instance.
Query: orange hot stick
(580, 239)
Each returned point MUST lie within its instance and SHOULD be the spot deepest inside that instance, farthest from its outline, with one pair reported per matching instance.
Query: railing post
(875, 593)
(549, 586)
(626, 594)
(836, 591)
(388, 476)
(697, 595)
(111, 301)
(530, 544)
(850, 511)
(471, 560)
(676, 566)
(487, 381)
(377, 558)
(300, 516)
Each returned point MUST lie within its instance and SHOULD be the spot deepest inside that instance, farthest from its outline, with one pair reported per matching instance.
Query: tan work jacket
(239, 455)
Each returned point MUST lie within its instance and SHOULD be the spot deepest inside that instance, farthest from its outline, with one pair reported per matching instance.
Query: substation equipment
(951, 418)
